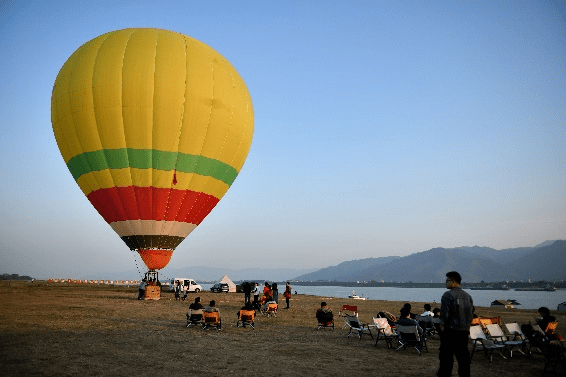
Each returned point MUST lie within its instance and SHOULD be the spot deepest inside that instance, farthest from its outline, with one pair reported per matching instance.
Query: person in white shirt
(256, 292)
(427, 311)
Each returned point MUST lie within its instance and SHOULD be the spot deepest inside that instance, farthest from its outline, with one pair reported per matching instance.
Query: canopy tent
(225, 279)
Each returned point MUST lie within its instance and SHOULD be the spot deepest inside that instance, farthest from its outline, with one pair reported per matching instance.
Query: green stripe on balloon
(148, 158)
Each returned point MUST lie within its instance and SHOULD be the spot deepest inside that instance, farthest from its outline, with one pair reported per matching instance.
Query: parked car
(220, 287)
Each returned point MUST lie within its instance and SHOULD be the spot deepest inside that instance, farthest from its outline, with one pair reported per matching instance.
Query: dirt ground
(54, 329)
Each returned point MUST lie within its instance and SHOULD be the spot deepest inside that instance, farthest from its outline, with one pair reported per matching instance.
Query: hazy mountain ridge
(346, 271)
(546, 261)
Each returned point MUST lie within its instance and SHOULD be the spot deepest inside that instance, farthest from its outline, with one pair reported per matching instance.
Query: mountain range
(546, 261)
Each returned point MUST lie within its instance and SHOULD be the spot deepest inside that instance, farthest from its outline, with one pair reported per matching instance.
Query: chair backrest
(409, 332)
(515, 329)
(425, 321)
(495, 332)
(476, 332)
(551, 328)
(247, 315)
(272, 307)
(196, 314)
(211, 317)
(347, 309)
(476, 321)
(383, 325)
(353, 321)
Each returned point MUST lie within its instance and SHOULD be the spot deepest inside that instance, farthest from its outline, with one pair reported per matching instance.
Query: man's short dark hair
(407, 305)
(544, 310)
(454, 276)
(322, 304)
(405, 312)
(427, 307)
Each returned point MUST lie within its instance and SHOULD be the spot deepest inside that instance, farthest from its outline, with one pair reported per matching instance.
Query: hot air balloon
(154, 127)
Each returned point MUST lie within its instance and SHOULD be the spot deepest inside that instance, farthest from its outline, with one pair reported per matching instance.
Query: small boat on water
(548, 288)
(356, 297)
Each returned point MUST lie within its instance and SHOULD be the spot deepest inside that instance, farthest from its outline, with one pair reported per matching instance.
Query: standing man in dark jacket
(456, 312)
(247, 287)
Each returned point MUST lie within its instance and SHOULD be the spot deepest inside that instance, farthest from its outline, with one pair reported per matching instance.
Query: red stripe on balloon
(152, 203)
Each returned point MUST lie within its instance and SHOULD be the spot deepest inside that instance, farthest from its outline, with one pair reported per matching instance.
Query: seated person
(405, 320)
(427, 311)
(324, 314)
(267, 302)
(545, 319)
(411, 315)
(196, 305)
(212, 307)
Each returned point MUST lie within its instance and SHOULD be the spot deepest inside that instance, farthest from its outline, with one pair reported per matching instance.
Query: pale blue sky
(381, 128)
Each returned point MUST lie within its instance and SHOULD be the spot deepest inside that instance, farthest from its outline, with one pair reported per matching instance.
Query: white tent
(225, 279)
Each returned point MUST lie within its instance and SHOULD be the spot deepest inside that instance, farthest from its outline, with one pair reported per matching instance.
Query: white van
(189, 285)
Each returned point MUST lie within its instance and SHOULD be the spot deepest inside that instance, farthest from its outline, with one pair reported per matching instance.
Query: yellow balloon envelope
(154, 126)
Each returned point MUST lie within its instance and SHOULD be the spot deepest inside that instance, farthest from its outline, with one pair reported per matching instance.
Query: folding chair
(552, 335)
(194, 317)
(347, 310)
(496, 333)
(426, 322)
(515, 330)
(271, 309)
(480, 342)
(552, 353)
(211, 319)
(408, 336)
(356, 327)
(383, 330)
(246, 318)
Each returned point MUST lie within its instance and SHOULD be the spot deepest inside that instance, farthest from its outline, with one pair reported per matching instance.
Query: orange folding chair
(211, 319)
(246, 318)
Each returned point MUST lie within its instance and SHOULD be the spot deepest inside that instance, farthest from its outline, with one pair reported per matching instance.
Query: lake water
(528, 300)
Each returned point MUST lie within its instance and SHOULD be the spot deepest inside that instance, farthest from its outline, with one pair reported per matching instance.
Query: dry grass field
(54, 329)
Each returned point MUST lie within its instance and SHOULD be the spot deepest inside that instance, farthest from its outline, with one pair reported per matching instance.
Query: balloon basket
(152, 292)
(153, 288)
